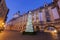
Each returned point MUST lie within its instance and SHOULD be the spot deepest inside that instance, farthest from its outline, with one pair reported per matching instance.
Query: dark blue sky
(23, 6)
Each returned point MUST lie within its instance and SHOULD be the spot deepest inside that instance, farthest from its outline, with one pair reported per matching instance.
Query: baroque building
(3, 12)
(43, 19)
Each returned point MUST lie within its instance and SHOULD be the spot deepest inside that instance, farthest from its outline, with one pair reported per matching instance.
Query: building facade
(3, 12)
(42, 18)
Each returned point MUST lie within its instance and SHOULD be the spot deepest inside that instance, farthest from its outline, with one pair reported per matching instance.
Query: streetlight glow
(55, 30)
(2, 23)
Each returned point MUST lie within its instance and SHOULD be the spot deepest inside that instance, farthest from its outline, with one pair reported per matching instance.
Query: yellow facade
(3, 12)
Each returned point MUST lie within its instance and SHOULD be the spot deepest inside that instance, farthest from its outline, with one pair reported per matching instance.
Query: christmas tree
(29, 26)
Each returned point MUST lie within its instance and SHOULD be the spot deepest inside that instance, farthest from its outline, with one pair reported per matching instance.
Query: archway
(50, 29)
(53, 31)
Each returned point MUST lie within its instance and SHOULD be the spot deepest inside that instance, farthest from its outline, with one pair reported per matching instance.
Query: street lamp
(2, 23)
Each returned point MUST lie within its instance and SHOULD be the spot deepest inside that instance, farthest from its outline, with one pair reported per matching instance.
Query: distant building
(16, 15)
(42, 18)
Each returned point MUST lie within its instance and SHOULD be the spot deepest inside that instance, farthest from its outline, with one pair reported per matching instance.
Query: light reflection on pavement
(14, 35)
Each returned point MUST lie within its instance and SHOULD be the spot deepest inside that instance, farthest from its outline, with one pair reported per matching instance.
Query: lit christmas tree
(29, 26)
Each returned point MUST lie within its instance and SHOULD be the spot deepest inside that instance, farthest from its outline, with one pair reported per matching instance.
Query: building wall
(3, 10)
(3, 13)
(39, 18)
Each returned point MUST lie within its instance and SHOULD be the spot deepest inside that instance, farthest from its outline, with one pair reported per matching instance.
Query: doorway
(37, 28)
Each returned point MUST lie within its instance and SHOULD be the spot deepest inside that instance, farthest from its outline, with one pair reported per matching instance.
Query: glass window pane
(48, 19)
(59, 3)
(47, 13)
(34, 17)
(41, 16)
(55, 13)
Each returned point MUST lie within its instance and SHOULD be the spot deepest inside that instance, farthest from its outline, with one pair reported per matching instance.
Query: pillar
(44, 17)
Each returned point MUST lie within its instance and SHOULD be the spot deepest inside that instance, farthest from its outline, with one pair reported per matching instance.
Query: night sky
(23, 6)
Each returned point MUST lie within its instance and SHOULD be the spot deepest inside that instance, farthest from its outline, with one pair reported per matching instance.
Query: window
(47, 15)
(59, 3)
(48, 19)
(55, 13)
(3, 7)
(1, 14)
(34, 17)
(0, 1)
(41, 16)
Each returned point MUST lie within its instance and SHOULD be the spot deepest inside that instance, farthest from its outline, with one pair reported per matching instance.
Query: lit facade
(3, 12)
(42, 18)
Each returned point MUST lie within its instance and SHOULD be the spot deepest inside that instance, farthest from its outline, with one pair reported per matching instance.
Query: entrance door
(37, 28)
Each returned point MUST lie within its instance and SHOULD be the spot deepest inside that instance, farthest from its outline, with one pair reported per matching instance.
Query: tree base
(29, 33)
